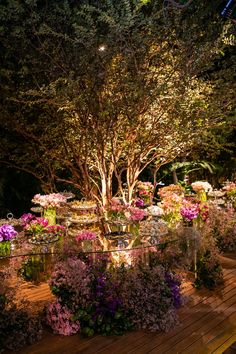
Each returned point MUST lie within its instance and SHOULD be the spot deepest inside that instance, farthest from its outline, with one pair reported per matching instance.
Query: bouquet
(201, 186)
(7, 232)
(52, 200)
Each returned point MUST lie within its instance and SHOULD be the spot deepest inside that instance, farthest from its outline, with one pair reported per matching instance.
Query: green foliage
(209, 271)
(93, 92)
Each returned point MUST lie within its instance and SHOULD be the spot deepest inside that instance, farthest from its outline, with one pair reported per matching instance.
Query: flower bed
(95, 298)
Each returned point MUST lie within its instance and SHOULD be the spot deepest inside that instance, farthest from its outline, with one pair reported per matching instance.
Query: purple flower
(190, 212)
(7, 232)
(27, 217)
(139, 202)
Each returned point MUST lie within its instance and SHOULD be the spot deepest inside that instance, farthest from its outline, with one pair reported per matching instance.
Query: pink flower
(135, 214)
(49, 200)
(60, 320)
(86, 235)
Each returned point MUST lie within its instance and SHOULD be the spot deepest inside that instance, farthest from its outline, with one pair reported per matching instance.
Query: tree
(95, 92)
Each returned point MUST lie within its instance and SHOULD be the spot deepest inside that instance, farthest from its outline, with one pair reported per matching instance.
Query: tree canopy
(93, 92)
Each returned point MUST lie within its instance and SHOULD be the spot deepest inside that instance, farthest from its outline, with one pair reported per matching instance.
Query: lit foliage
(98, 91)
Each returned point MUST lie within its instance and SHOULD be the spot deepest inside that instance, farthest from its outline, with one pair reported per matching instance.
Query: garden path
(207, 325)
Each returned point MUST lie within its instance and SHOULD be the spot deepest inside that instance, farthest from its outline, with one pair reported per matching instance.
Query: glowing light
(102, 48)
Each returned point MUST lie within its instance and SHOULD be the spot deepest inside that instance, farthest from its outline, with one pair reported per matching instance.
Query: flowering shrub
(148, 297)
(111, 301)
(49, 200)
(209, 270)
(17, 327)
(221, 225)
(86, 235)
(71, 282)
(7, 232)
(60, 319)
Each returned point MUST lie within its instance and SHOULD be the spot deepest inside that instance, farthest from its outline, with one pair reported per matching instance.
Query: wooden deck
(207, 325)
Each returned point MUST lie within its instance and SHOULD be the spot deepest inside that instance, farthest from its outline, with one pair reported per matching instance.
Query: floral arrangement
(36, 226)
(139, 203)
(153, 228)
(117, 210)
(155, 210)
(193, 209)
(52, 200)
(201, 186)
(145, 191)
(230, 187)
(170, 190)
(7, 232)
(56, 229)
(189, 210)
(27, 218)
(135, 214)
(40, 231)
(171, 205)
(86, 235)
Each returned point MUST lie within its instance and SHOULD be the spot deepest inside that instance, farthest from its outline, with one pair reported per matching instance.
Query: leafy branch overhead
(94, 92)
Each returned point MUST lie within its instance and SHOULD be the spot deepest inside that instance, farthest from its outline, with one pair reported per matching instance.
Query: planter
(45, 238)
(50, 214)
(5, 248)
(202, 196)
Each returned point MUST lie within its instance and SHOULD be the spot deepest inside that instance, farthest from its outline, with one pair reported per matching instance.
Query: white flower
(155, 210)
(201, 186)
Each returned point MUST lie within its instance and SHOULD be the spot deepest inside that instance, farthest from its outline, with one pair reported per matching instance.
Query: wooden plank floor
(207, 325)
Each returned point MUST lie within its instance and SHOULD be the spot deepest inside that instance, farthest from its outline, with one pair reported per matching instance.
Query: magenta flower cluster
(60, 319)
(27, 218)
(139, 202)
(7, 232)
(190, 212)
(86, 235)
(56, 229)
(135, 214)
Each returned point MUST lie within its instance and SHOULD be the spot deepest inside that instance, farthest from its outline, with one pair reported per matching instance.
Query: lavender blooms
(59, 318)
(7, 232)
